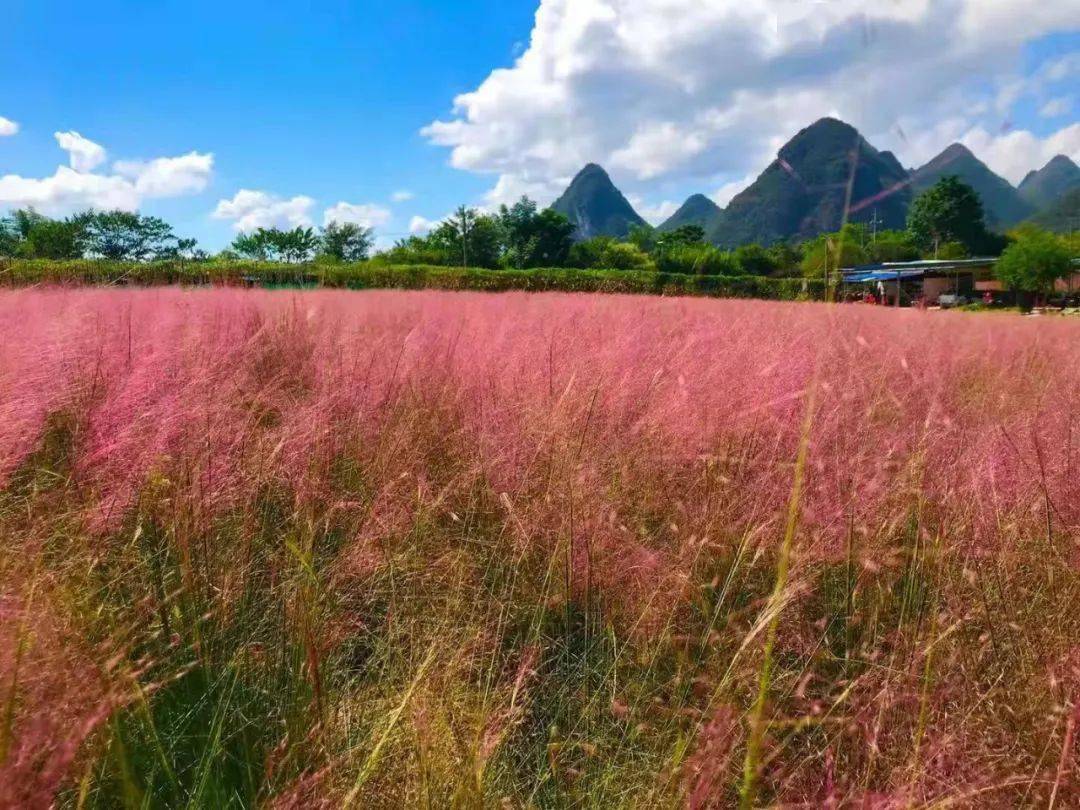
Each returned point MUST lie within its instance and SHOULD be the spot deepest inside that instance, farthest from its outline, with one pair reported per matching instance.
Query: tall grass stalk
(756, 721)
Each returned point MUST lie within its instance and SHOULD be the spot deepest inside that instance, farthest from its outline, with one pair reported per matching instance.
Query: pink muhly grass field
(641, 449)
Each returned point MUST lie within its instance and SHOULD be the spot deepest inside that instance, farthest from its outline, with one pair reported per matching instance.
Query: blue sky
(305, 106)
(327, 103)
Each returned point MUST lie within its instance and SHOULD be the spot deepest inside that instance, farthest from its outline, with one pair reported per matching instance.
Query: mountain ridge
(813, 186)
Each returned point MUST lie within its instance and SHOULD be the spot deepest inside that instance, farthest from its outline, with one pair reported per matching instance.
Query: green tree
(949, 211)
(697, 260)
(252, 246)
(1034, 261)
(831, 252)
(128, 236)
(415, 250)
(296, 245)
(754, 260)
(554, 238)
(892, 246)
(644, 237)
(786, 258)
(625, 256)
(685, 235)
(346, 242)
(10, 238)
(30, 235)
(533, 238)
(470, 237)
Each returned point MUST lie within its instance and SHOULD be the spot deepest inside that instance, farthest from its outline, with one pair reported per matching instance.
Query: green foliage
(698, 260)
(1034, 261)
(415, 250)
(754, 260)
(786, 258)
(892, 246)
(684, 235)
(128, 236)
(833, 251)
(468, 238)
(28, 234)
(952, 250)
(534, 238)
(644, 237)
(950, 211)
(382, 275)
(346, 242)
(608, 253)
(296, 245)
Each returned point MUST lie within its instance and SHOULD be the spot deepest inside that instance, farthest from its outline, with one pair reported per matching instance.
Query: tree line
(945, 222)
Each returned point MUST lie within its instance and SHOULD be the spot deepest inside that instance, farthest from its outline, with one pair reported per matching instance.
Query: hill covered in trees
(698, 210)
(805, 191)
(810, 186)
(1044, 187)
(596, 207)
(1002, 202)
(1063, 216)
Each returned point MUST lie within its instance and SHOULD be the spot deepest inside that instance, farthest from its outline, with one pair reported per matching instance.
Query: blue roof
(882, 275)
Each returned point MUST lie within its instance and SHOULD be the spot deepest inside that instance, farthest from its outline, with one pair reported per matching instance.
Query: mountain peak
(957, 150)
(1002, 203)
(593, 169)
(1061, 160)
(596, 206)
(804, 191)
(697, 210)
(1044, 187)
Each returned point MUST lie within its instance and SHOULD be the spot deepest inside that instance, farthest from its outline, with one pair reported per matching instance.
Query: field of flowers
(434, 549)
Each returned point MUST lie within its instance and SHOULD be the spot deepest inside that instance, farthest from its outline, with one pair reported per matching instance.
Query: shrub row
(372, 275)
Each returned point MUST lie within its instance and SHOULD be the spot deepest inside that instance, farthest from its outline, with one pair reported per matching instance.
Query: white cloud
(402, 196)
(168, 177)
(75, 187)
(653, 214)
(681, 91)
(418, 226)
(723, 195)
(8, 127)
(250, 210)
(365, 215)
(68, 190)
(1014, 154)
(1056, 107)
(84, 154)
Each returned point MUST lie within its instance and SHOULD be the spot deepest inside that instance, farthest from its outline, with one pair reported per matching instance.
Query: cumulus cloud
(681, 91)
(68, 190)
(170, 176)
(8, 127)
(250, 210)
(402, 196)
(365, 215)
(653, 214)
(1014, 154)
(78, 186)
(83, 154)
(418, 226)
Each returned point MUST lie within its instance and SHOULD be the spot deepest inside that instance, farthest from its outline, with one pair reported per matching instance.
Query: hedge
(373, 275)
